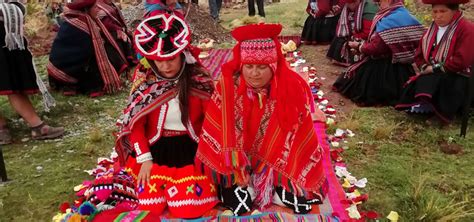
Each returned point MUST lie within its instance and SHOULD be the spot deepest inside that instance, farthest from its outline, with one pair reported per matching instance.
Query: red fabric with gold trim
(162, 37)
(183, 191)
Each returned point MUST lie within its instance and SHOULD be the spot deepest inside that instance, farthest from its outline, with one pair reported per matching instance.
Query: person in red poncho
(258, 142)
(163, 118)
(443, 58)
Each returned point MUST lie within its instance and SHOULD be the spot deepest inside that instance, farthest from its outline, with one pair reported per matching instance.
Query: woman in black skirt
(354, 25)
(91, 51)
(18, 78)
(320, 26)
(378, 78)
(444, 59)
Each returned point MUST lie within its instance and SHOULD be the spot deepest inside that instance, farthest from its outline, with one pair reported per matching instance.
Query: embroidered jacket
(149, 129)
(144, 117)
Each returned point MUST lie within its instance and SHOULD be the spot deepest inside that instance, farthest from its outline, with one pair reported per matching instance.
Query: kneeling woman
(354, 25)
(258, 136)
(320, 26)
(379, 77)
(92, 49)
(163, 119)
(444, 58)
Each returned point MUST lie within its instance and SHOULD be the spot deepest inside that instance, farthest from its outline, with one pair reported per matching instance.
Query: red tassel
(335, 155)
(372, 215)
(64, 206)
(361, 198)
(351, 189)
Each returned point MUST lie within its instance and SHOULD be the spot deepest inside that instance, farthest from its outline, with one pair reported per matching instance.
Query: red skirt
(183, 191)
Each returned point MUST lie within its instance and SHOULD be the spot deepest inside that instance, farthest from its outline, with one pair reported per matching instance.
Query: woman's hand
(144, 175)
(427, 70)
(353, 44)
(416, 69)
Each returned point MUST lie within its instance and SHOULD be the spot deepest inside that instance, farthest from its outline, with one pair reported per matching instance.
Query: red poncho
(284, 150)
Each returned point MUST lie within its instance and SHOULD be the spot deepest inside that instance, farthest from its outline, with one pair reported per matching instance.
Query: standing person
(354, 25)
(154, 7)
(258, 135)
(443, 59)
(18, 77)
(388, 54)
(215, 8)
(260, 7)
(320, 26)
(91, 50)
(163, 120)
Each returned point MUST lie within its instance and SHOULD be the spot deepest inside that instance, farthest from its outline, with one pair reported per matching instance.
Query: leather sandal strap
(38, 127)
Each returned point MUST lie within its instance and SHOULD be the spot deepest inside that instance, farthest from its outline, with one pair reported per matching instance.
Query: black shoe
(237, 199)
(299, 204)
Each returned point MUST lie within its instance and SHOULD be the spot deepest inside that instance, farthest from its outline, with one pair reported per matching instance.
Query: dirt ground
(201, 24)
(40, 44)
(316, 56)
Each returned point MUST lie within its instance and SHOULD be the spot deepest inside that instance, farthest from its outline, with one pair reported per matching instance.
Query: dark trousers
(215, 8)
(251, 5)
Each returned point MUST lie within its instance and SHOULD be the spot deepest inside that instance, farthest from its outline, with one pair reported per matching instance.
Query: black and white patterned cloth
(239, 200)
(12, 14)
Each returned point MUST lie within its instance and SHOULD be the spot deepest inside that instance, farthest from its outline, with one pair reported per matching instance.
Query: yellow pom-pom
(58, 217)
(145, 63)
(393, 216)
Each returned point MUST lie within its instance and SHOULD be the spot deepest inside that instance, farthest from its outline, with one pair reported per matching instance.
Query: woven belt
(171, 133)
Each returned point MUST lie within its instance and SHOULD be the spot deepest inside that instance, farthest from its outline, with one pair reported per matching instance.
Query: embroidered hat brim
(162, 37)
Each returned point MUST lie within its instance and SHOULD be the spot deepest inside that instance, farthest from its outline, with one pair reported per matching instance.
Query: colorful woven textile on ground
(338, 205)
(214, 61)
(332, 209)
(134, 216)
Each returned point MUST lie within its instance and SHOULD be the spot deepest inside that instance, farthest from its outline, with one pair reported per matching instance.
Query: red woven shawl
(285, 148)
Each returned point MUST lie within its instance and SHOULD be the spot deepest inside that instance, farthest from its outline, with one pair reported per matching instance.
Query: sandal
(44, 132)
(5, 137)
